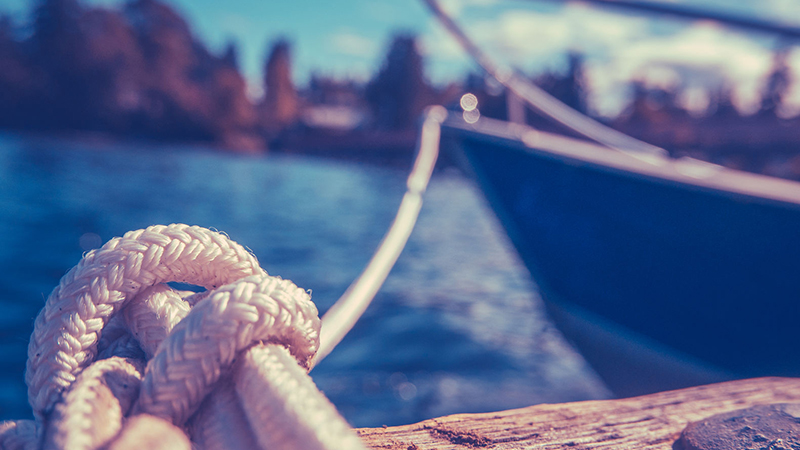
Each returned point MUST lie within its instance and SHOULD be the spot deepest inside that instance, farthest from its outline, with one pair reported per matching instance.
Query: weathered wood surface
(649, 422)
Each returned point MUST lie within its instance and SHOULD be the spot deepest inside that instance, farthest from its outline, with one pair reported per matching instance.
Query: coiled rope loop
(223, 356)
(65, 333)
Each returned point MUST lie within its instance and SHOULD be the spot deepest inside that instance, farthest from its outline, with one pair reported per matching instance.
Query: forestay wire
(540, 100)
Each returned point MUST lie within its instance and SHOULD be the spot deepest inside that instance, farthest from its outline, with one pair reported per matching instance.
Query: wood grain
(648, 422)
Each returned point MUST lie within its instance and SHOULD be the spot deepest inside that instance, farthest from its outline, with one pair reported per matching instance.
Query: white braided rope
(193, 342)
(117, 340)
(144, 322)
(66, 331)
(151, 433)
(204, 344)
(151, 316)
(220, 423)
(266, 377)
(106, 389)
(19, 435)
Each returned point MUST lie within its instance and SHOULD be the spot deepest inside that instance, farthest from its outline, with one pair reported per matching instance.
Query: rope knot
(113, 311)
(255, 309)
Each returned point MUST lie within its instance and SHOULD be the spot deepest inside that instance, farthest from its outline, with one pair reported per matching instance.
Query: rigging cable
(540, 100)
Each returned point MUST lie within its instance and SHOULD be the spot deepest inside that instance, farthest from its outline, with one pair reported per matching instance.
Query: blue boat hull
(705, 278)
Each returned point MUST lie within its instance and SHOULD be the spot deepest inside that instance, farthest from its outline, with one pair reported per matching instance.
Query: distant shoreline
(391, 148)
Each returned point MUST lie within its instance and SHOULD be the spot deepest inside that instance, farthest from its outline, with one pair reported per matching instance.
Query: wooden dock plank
(648, 422)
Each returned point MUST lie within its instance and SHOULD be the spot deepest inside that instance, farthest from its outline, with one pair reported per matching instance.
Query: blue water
(458, 326)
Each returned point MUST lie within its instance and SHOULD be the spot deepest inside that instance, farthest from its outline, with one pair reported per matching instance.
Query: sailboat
(664, 273)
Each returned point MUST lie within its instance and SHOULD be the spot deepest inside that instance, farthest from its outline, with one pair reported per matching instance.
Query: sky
(349, 38)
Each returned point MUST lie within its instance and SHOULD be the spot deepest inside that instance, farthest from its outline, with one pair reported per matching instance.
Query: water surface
(458, 327)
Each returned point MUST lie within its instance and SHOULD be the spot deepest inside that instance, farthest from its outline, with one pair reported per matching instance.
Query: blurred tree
(59, 46)
(399, 92)
(18, 80)
(190, 93)
(56, 26)
(234, 115)
(777, 83)
(136, 72)
(570, 87)
(231, 55)
(280, 107)
(323, 90)
(115, 68)
(722, 105)
(173, 103)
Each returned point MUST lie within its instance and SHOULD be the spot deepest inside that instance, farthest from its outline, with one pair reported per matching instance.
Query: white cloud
(704, 55)
(703, 46)
(453, 8)
(348, 43)
(784, 10)
(438, 44)
(698, 56)
(531, 34)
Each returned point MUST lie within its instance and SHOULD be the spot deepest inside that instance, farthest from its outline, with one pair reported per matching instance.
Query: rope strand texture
(266, 376)
(254, 329)
(66, 331)
(152, 433)
(151, 316)
(117, 340)
(19, 435)
(107, 390)
(220, 423)
(201, 347)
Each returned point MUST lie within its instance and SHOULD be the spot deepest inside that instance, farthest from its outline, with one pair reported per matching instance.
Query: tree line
(139, 71)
